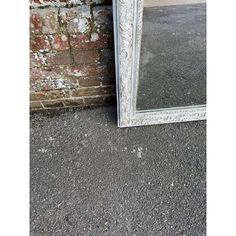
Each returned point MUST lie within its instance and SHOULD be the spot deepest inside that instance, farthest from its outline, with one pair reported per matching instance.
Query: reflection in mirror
(172, 70)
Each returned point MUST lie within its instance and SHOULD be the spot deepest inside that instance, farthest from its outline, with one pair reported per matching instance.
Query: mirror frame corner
(127, 20)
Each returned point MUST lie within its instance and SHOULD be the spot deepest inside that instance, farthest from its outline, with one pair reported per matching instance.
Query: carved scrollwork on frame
(125, 49)
(126, 26)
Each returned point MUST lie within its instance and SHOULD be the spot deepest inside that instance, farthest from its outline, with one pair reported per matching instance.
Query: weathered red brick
(95, 42)
(36, 22)
(54, 79)
(89, 71)
(89, 82)
(36, 105)
(46, 72)
(39, 43)
(53, 104)
(60, 42)
(48, 95)
(44, 20)
(74, 102)
(60, 58)
(50, 58)
(76, 19)
(85, 56)
(43, 78)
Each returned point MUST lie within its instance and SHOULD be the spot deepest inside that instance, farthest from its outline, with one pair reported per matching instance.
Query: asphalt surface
(173, 57)
(89, 177)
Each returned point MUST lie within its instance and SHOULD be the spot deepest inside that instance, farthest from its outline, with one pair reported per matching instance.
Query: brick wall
(71, 53)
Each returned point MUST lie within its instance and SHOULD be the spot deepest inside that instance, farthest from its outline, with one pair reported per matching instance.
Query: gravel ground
(89, 177)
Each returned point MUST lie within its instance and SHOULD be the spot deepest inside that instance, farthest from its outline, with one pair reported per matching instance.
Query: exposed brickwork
(71, 53)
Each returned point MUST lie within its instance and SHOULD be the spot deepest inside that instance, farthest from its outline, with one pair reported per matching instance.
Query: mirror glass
(172, 68)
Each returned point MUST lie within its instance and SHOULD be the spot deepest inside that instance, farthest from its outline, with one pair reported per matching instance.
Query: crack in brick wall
(71, 53)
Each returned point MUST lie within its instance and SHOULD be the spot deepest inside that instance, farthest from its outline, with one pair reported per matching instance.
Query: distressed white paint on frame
(128, 16)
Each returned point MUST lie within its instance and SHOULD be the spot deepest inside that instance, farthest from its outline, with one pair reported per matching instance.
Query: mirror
(160, 61)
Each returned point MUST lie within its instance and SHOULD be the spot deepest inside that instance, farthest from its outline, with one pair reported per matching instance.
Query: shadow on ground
(89, 177)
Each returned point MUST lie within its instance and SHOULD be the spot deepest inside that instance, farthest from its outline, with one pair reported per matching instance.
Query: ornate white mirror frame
(128, 16)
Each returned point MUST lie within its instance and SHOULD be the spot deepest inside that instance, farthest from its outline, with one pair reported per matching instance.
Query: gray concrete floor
(89, 177)
(173, 57)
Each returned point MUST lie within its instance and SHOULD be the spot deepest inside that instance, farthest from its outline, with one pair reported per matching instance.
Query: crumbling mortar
(50, 42)
(71, 50)
(42, 105)
(92, 25)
